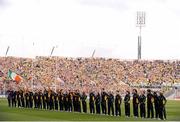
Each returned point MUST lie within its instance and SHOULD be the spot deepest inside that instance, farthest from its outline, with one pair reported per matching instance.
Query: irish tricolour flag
(14, 76)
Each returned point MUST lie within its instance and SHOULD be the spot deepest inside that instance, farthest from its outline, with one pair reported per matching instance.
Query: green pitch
(22, 114)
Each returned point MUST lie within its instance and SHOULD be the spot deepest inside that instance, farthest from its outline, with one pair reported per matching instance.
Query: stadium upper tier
(87, 71)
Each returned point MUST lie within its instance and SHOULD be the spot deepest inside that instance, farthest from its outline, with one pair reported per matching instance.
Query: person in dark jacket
(98, 103)
(135, 103)
(118, 101)
(78, 101)
(91, 102)
(84, 104)
(14, 98)
(56, 100)
(104, 96)
(66, 105)
(111, 103)
(150, 101)
(22, 98)
(40, 99)
(35, 99)
(27, 99)
(52, 100)
(49, 104)
(45, 100)
(19, 99)
(31, 94)
(10, 96)
(127, 104)
(61, 100)
(162, 104)
(70, 101)
(142, 100)
(156, 104)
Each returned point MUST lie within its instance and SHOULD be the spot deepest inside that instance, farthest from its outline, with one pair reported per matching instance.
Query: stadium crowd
(84, 73)
(80, 78)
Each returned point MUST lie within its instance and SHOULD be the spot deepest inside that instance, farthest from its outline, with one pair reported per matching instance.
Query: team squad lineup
(99, 103)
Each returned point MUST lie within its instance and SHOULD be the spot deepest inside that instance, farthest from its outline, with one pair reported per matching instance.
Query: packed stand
(85, 73)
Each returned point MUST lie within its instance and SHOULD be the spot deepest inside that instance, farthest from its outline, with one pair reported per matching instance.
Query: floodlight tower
(141, 16)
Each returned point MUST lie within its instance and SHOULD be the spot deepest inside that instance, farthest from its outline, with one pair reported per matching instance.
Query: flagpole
(52, 51)
(7, 50)
(93, 53)
(32, 67)
(56, 72)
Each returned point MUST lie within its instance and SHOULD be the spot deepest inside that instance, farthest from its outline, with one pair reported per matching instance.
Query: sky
(78, 27)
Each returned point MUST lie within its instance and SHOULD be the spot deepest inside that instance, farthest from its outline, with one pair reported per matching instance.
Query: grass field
(22, 114)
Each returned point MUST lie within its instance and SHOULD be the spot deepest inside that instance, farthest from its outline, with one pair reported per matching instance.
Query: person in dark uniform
(162, 109)
(91, 102)
(78, 101)
(98, 103)
(35, 99)
(142, 100)
(66, 101)
(22, 98)
(49, 99)
(104, 101)
(156, 105)
(31, 98)
(111, 103)
(40, 99)
(27, 99)
(61, 100)
(84, 104)
(14, 98)
(45, 96)
(118, 101)
(56, 100)
(135, 103)
(52, 99)
(75, 101)
(150, 100)
(70, 101)
(19, 99)
(10, 96)
(127, 104)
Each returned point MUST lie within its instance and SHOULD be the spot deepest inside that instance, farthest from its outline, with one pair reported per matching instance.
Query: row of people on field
(99, 103)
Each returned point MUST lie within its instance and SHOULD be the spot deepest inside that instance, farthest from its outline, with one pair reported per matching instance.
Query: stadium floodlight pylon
(140, 22)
